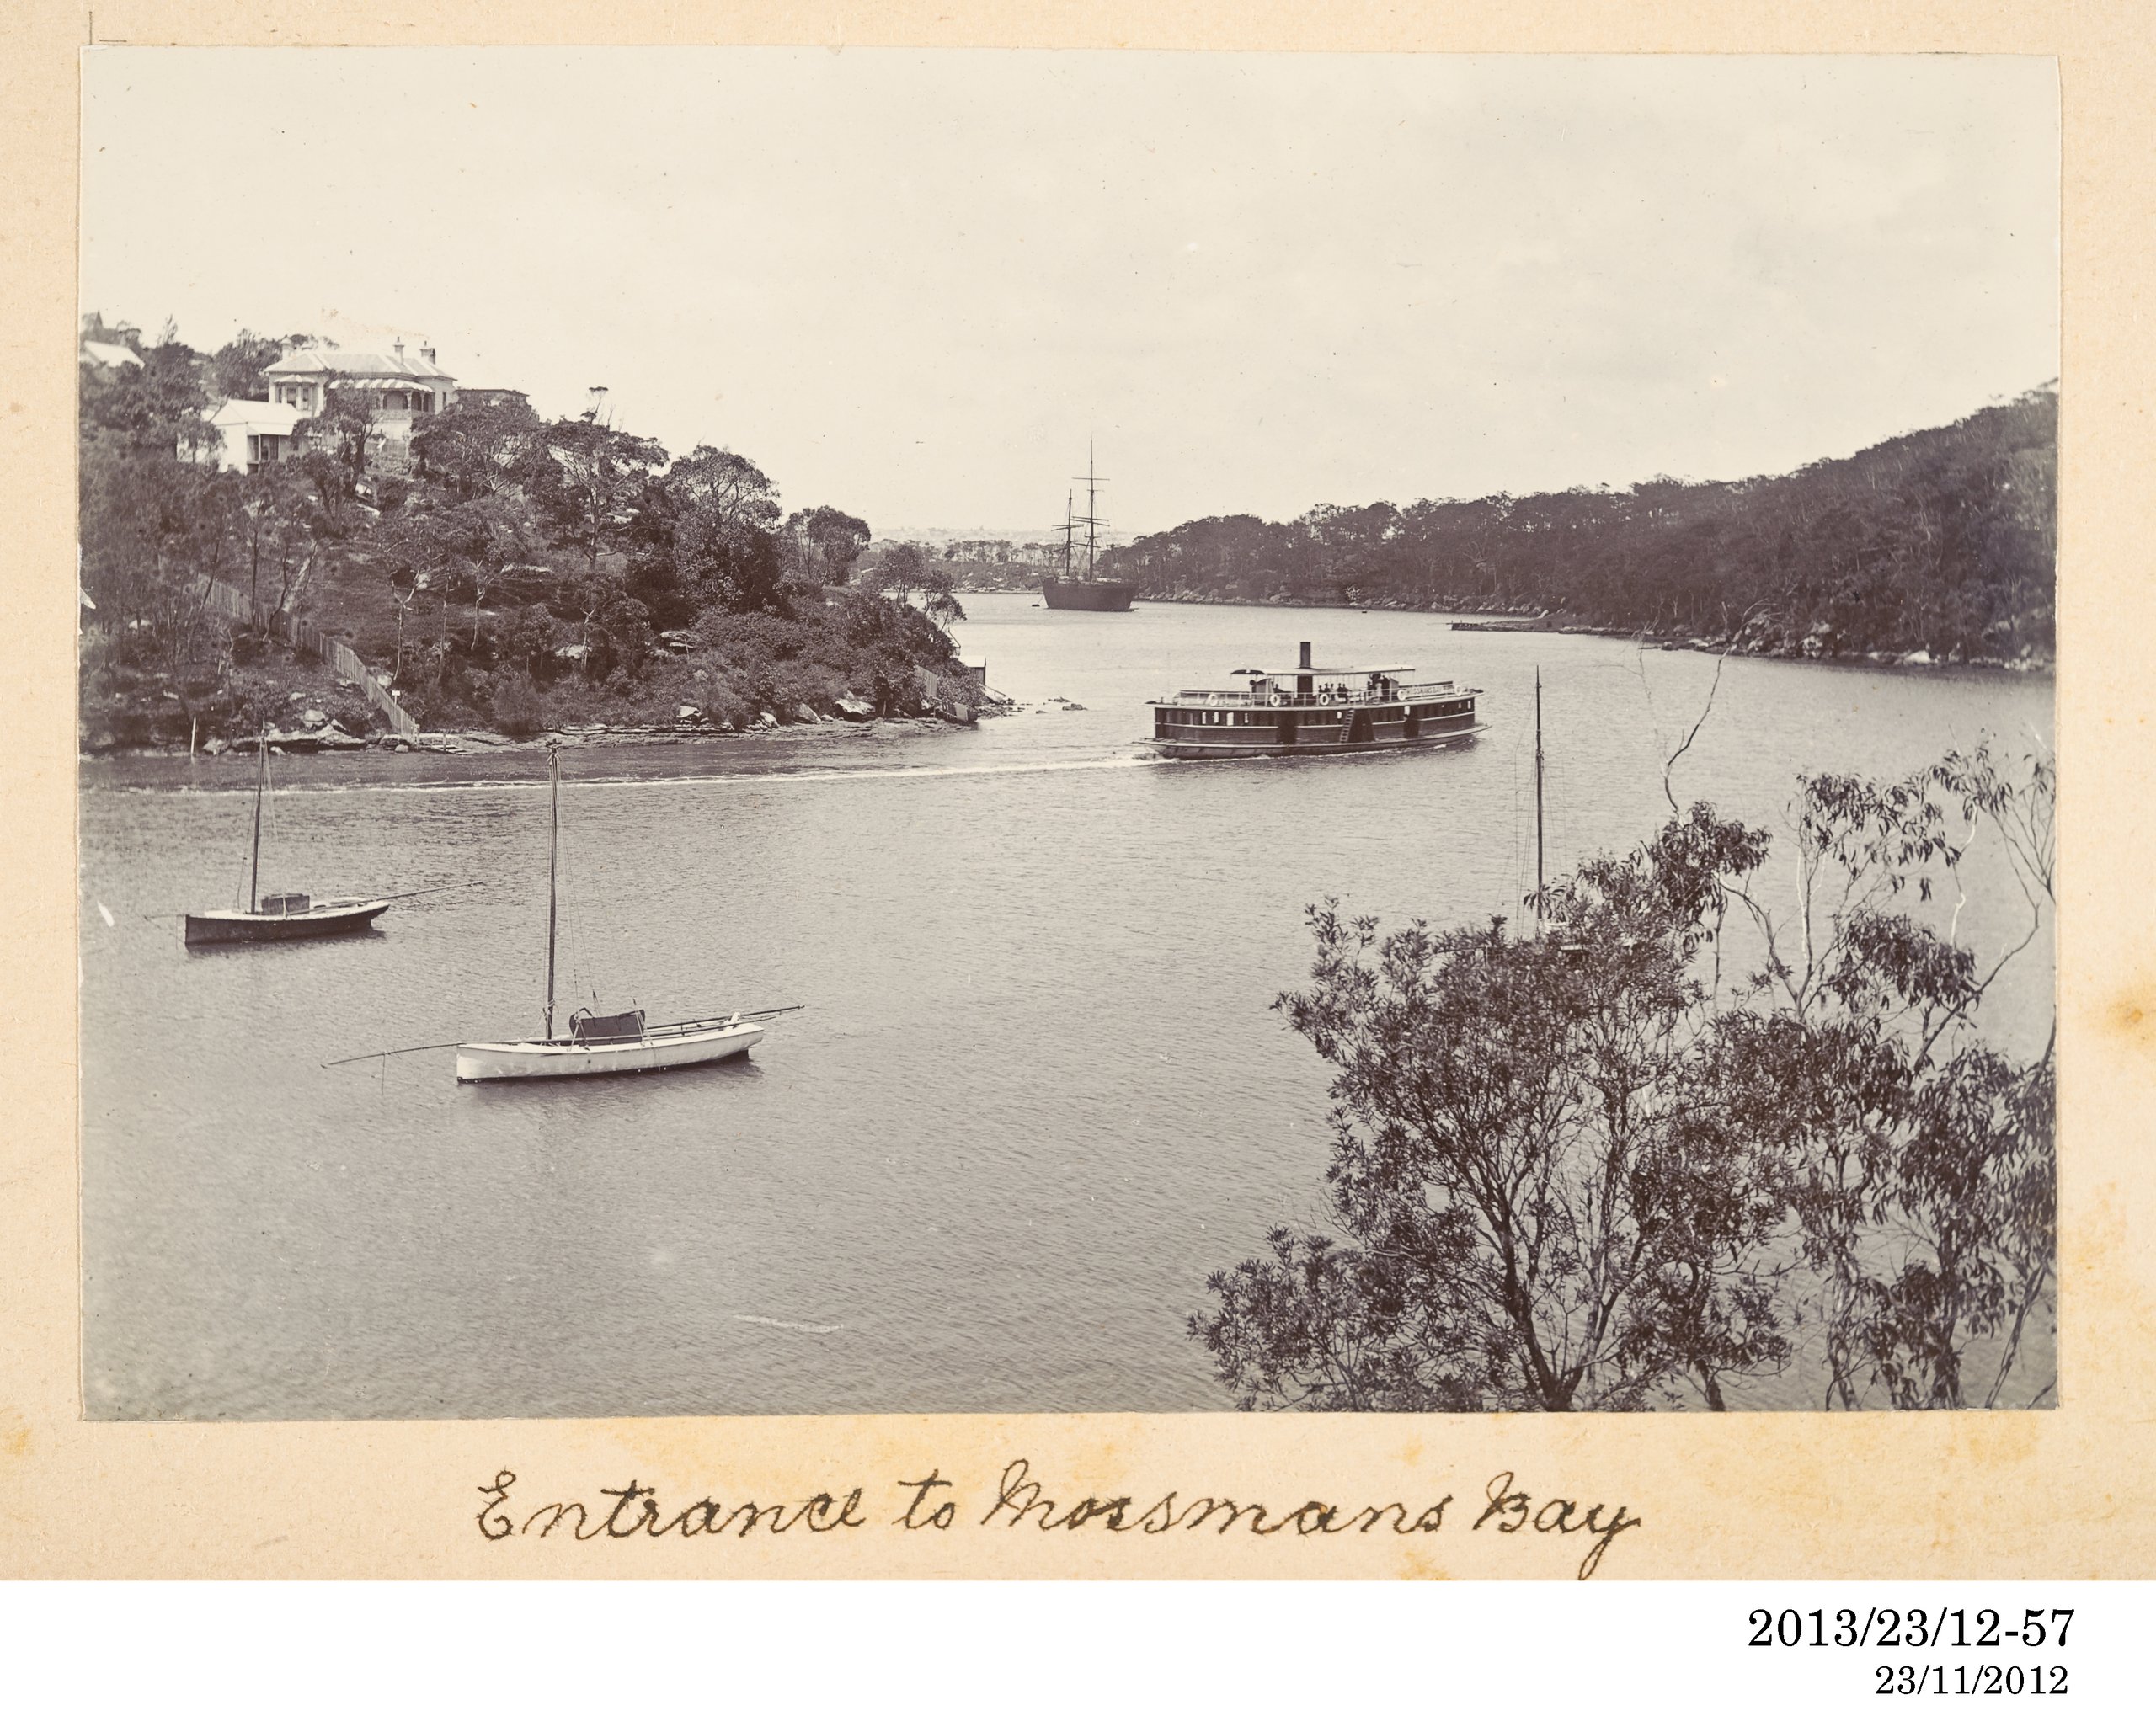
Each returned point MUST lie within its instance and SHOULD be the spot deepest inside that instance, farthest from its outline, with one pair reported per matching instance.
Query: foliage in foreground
(1587, 1171)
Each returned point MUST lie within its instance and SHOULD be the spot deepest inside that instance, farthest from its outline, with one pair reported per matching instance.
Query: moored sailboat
(597, 1043)
(278, 917)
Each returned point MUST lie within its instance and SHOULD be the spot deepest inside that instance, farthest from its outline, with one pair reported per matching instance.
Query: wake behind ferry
(1314, 710)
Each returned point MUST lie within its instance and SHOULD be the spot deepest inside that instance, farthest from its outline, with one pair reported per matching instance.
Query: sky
(919, 284)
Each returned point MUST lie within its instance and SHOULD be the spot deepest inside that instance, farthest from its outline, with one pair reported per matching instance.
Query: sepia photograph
(776, 731)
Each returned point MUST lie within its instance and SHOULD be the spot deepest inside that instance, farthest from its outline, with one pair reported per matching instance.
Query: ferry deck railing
(1336, 696)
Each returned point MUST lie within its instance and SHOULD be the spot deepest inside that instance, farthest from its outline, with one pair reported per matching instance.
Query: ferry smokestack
(1303, 663)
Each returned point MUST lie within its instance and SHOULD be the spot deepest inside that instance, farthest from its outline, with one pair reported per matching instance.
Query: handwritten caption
(929, 1503)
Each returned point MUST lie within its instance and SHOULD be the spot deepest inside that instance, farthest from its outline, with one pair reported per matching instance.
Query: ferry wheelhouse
(1314, 710)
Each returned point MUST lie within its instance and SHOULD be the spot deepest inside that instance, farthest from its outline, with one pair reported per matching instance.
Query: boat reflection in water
(1314, 711)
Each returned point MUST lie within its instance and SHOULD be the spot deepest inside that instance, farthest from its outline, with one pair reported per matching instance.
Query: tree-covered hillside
(502, 571)
(1941, 541)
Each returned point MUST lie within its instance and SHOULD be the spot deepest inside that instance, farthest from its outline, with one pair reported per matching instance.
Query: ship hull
(1177, 750)
(565, 1058)
(220, 928)
(1087, 596)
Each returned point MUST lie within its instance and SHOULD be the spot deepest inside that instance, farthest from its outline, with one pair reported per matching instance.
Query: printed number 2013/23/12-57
(1911, 1628)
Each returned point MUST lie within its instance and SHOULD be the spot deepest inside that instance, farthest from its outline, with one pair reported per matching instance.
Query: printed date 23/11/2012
(1909, 1627)
(1988, 1679)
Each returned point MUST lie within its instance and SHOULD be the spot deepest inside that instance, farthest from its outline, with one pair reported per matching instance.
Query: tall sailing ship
(1314, 710)
(1082, 587)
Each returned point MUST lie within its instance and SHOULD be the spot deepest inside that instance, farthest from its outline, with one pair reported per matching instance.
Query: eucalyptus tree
(1609, 1164)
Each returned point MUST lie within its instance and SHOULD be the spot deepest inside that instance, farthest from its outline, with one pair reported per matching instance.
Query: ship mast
(1091, 521)
(254, 859)
(1069, 526)
(1093, 509)
(1538, 801)
(553, 858)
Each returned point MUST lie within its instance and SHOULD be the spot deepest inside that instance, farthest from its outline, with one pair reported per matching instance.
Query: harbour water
(1038, 1093)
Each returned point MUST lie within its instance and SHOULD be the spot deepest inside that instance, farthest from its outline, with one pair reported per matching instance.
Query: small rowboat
(284, 917)
(642, 1050)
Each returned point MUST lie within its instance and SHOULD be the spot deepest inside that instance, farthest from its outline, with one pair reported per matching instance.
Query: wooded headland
(493, 569)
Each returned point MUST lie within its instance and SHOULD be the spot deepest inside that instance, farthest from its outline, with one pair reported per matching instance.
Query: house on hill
(110, 349)
(109, 357)
(252, 434)
(398, 390)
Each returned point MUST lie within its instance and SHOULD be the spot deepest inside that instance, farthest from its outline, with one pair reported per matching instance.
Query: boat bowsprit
(611, 1043)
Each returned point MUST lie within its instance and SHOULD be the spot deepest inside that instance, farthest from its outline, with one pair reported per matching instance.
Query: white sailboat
(600, 1043)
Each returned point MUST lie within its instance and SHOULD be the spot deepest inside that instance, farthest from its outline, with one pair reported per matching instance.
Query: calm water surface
(1038, 1095)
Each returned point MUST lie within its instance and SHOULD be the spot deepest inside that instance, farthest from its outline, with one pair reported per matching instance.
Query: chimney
(1303, 663)
(427, 354)
(399, 345)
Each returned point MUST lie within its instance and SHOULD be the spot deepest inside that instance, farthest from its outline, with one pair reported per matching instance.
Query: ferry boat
(1314, 710)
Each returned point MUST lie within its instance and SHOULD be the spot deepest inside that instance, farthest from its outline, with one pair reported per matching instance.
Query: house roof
(278, 417)
(345, 363)
(110, 354)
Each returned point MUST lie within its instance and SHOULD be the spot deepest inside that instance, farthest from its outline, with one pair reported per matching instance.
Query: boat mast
(1093, 509)
(1538, 801)
(254, 860)
(1070, 527)
(553, 857)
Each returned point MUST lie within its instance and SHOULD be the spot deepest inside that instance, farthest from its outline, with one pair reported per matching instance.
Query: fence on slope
(335, 654)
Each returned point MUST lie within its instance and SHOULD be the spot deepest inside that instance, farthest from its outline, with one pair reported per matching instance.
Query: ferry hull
(1179, 750)
(211, 928)
(1088, 596)
(564, 1058)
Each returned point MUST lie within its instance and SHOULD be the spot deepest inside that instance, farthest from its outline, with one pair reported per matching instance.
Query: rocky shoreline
(598, 735)
(595, 735)
(313, 731)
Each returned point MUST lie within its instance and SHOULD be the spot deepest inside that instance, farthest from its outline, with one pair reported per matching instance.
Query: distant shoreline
(1496, 622)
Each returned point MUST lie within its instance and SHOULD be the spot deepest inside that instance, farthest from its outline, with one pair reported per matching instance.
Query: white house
(254, 434)
(399, 389)
(110, 356)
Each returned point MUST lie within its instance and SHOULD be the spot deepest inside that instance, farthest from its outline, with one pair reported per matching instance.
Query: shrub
(514, 705)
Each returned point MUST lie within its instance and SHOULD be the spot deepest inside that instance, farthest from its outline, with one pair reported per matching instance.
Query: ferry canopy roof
(1322, 671)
